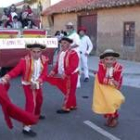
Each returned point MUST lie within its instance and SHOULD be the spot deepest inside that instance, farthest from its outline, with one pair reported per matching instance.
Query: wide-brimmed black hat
(66, 39)
(109, 52)
(35, 45)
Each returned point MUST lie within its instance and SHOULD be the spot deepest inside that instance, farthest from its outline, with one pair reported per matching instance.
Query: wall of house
(58, 21)
(44, 21)
(110, 25)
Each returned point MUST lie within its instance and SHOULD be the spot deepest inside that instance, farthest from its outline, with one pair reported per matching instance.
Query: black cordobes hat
(35, 45)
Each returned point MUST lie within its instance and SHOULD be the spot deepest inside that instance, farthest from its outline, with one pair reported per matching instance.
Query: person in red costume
(33, 68)
(107, 98)
(67, 68)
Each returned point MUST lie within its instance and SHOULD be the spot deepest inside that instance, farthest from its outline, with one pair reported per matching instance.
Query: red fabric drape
(12, 111)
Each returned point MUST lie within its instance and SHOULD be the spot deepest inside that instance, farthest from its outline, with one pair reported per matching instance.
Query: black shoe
(29, 133)
(73, 108)
(61, 111)
(86, 80)
(42, 117)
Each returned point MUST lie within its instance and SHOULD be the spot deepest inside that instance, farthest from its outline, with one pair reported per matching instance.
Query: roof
(66, 6)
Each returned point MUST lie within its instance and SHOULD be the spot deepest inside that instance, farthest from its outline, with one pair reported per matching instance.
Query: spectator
(6, 12)
(63, 33)
(5, 18)
(13, 12)
(16, 24)
(28, 24)
(58, 35)
(5, 23)
(1, 24)
(27, 12)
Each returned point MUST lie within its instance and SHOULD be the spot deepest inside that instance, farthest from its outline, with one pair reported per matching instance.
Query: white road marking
(100, 130)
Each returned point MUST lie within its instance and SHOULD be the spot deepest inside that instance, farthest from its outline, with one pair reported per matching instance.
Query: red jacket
(71, 62)
(24, 67)
(117, 73)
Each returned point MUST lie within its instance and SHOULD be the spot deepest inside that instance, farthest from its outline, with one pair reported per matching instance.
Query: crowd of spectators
(15, 19)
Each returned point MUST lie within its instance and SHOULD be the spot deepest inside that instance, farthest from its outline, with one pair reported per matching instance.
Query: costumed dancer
(33, 69)
(107, 98)
(67, 68)
(12, 111)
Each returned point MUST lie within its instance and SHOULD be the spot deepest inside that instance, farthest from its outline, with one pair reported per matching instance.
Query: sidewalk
(131, 73)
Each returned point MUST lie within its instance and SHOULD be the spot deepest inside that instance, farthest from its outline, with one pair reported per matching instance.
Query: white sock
(27, 128)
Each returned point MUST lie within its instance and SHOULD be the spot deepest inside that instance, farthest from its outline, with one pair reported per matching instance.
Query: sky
(6, 3)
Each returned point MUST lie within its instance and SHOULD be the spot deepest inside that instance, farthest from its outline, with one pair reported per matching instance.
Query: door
(90, 22)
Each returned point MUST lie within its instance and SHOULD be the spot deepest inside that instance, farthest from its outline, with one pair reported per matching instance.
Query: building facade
(110, 24)
(120, 29)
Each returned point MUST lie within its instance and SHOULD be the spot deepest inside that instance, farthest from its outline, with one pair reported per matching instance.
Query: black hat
(109, 52)
(66, 39)
(35, 45)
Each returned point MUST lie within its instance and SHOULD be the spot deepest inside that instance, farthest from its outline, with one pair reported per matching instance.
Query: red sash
(59, 83)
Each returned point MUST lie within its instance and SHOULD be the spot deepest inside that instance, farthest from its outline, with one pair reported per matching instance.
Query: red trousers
(68, 88)
(34, 99)
(70, 93)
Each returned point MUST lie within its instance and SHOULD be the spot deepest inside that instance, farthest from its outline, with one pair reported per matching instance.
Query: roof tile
(66, 6)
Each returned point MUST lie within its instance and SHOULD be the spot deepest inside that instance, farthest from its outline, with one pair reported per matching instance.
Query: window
(129, 34)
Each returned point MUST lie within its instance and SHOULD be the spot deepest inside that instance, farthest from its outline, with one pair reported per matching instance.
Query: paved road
(81, 124)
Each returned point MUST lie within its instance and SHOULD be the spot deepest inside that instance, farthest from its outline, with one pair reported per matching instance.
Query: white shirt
(61, 63)
(13, 14)
(37, 69)
(86, 45)
(16, 25)
(75, 37)
(36, 72)
(109, 72)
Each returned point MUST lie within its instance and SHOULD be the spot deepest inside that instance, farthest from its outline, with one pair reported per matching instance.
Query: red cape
(12, 111)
